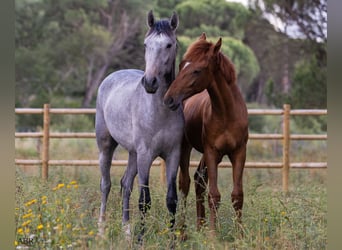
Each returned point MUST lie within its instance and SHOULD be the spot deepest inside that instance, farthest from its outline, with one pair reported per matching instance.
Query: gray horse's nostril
(154, 82)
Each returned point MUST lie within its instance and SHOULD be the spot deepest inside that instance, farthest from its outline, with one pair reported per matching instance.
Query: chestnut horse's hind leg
(238, 159)
(201, 181)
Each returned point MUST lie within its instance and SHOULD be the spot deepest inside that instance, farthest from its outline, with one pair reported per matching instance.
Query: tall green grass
(62, 213)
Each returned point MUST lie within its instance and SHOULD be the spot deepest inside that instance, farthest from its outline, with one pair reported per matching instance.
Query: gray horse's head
(160, 52)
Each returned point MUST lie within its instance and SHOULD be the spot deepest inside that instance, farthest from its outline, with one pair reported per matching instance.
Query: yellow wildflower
(29, 203)
(40, 226)
(20, 231)
(25, 216)
(166, 230)
(59, 186)
(26, 223)
(90, 233)
(283, 213)
(68, 226)
(15, 243)
(73, 183)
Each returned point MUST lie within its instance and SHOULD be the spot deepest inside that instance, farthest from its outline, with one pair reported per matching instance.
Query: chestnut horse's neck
(223, 97)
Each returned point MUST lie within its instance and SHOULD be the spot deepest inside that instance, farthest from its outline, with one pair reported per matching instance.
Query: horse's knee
(237, 199)
(144, 200)
(184, 184)
(105, 186)
(171, 203)
(214, 199)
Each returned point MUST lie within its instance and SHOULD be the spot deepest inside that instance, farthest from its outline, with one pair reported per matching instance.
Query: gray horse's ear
(150, 19)
(174, 21)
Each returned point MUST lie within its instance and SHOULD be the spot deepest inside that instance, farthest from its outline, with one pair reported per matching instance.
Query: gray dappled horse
(130, 112)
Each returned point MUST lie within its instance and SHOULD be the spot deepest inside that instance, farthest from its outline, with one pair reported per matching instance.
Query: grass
(62, 213)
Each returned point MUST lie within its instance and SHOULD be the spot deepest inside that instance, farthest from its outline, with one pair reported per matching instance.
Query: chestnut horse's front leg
(238, 158)
(214, 197)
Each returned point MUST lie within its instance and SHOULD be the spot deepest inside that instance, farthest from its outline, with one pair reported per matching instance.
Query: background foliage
(64, 49)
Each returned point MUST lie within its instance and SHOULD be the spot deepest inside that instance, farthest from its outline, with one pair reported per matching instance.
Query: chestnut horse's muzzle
(171, 103)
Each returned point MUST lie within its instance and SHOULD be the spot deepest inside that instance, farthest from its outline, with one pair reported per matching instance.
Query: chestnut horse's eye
(196, 72)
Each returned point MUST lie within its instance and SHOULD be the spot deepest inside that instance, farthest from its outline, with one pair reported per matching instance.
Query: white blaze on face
(186, 64)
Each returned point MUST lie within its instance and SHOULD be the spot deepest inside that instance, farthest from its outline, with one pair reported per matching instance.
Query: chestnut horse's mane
(198, 50)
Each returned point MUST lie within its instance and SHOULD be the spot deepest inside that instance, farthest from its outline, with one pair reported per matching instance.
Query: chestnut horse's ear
(174, 21)
(202, 37)
(150, 19)
(218, 46)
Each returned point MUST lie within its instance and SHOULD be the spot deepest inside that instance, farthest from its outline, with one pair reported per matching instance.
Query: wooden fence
(285, 136)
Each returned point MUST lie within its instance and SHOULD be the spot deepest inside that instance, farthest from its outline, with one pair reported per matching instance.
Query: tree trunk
(93, 83)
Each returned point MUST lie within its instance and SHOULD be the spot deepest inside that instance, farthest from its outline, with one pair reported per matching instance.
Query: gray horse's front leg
(172, 162)
(144, 165)
(126, 190)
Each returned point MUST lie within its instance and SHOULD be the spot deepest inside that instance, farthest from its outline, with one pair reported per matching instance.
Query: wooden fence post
(286, 147)
(46, 136)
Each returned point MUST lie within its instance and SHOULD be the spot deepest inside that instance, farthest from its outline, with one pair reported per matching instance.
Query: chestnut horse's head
(197, 70)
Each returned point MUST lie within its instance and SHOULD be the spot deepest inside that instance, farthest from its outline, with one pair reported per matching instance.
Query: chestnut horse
(216, 123)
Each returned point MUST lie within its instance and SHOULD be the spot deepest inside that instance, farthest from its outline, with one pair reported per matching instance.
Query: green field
(62, 213)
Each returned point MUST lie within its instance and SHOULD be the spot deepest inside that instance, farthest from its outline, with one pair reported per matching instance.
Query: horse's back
(121, 82)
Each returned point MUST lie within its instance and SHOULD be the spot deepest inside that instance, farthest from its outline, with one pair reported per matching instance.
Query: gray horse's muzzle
(150, 85)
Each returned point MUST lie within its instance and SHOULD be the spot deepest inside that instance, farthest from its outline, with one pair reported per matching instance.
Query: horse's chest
(160, 133)
(223, 141)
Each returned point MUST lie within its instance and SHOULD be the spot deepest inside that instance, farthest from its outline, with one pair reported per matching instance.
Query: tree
(309, 16)
(218, 18)
(65, 48)
(278, 53)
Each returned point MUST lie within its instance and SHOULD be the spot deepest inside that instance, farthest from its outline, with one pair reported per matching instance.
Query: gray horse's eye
(168, 45)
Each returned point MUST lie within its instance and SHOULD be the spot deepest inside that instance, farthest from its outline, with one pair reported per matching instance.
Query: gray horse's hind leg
(106, 145)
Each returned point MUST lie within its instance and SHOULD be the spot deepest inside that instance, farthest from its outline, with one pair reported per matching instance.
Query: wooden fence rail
(285, 136)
